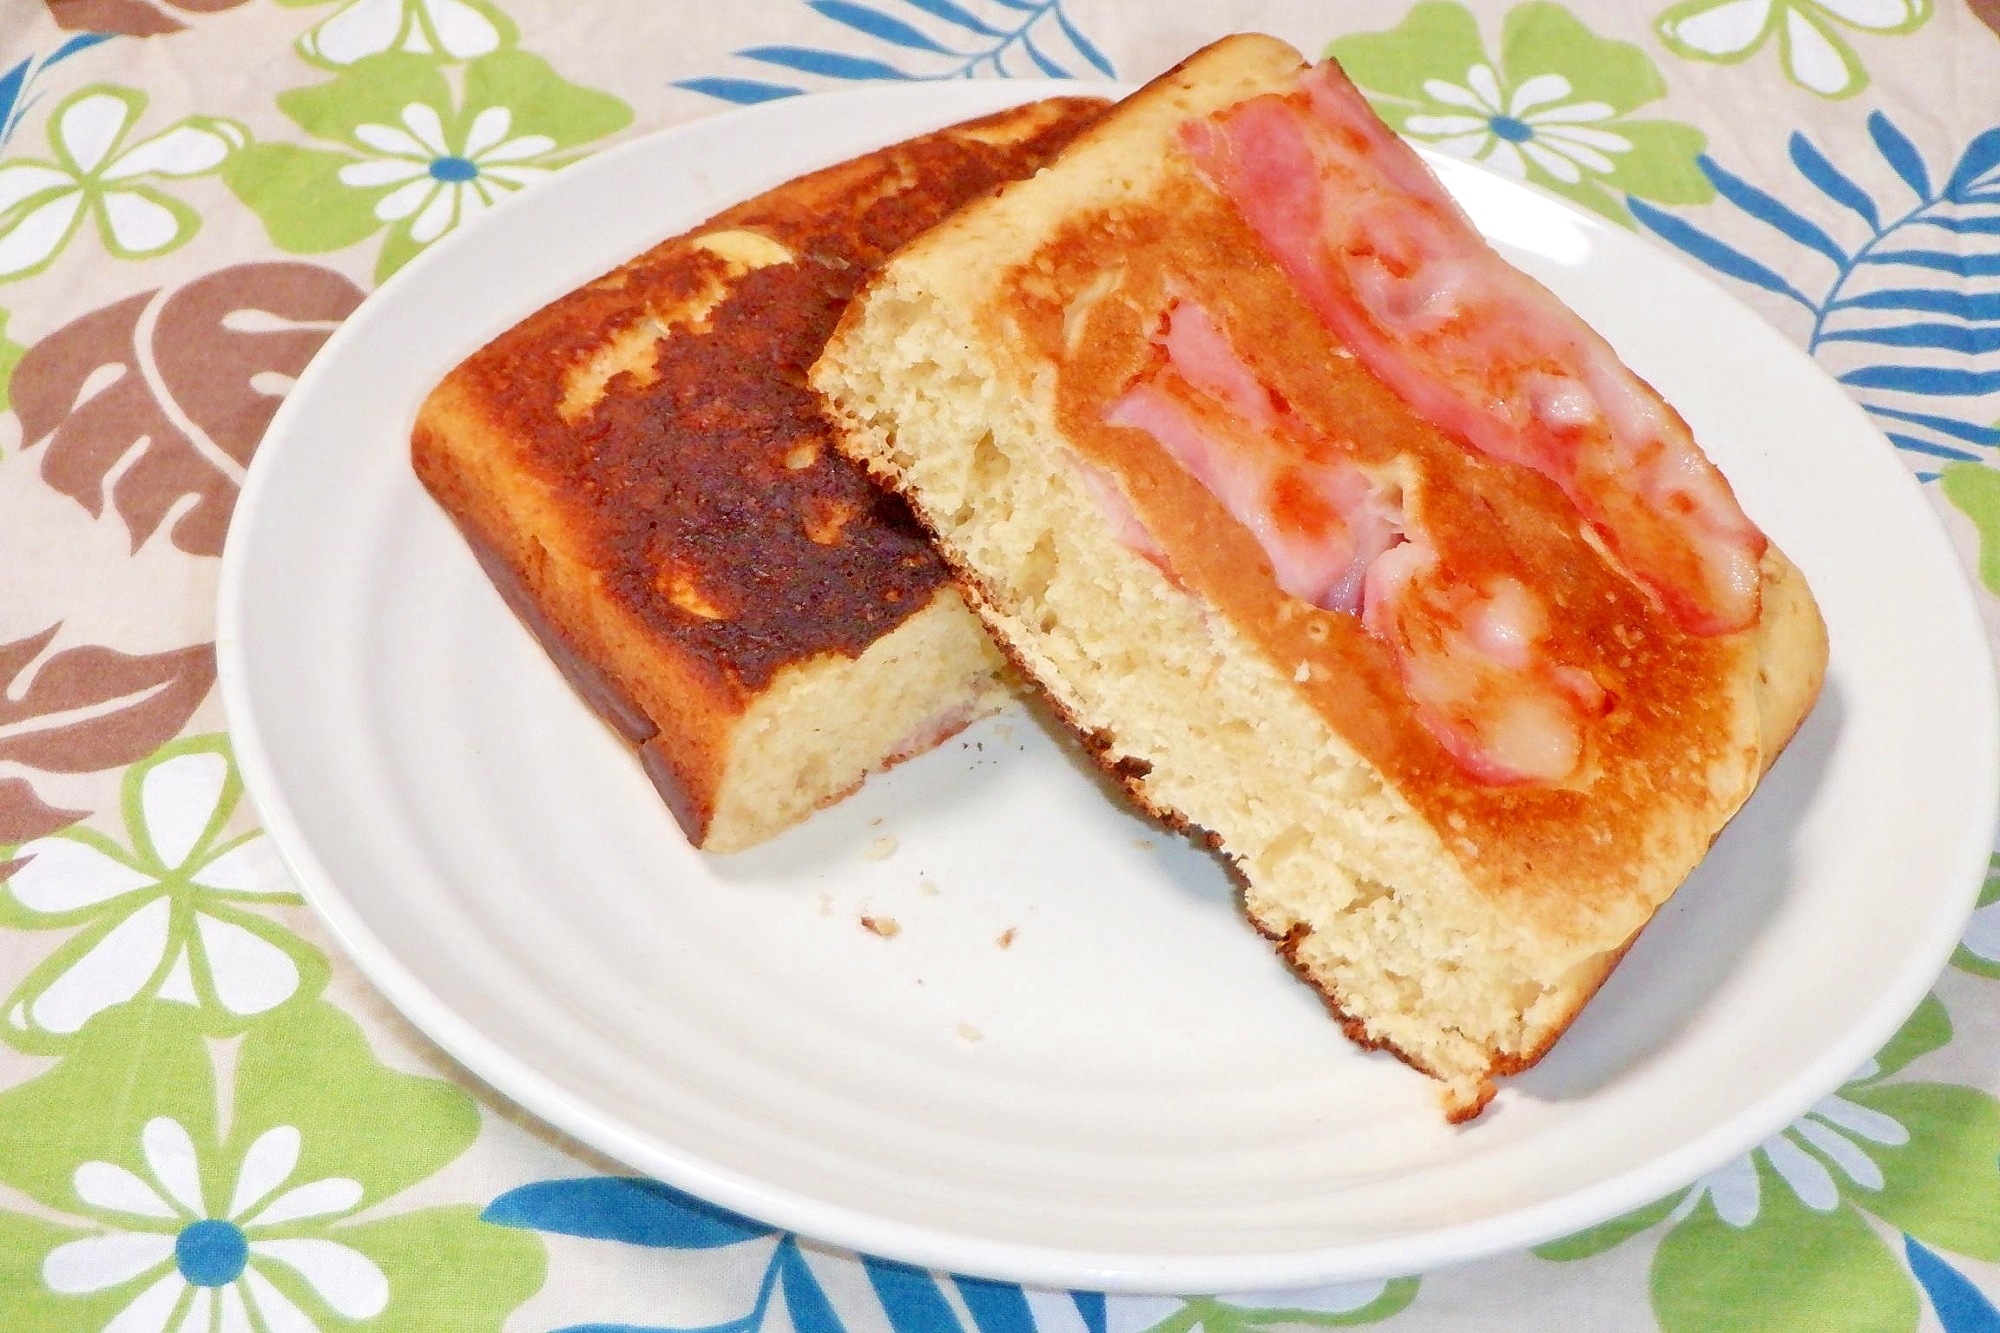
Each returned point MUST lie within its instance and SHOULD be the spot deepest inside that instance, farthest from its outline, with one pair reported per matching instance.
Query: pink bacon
(1316, 515)
(1467, 658)
(1389, 263)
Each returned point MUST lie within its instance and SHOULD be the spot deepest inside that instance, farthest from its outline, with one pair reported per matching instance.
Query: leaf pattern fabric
(170, 911)
(133, 18)
(1811, 35)
(97, 173)
(1553, 107)
(187, 1201)
(1899, 313)
(455, 29)
(85, 709)
(171, 424)
(1878, 1152)
(211, 1123)
(91, 708)
(416, 157)
(921, 39)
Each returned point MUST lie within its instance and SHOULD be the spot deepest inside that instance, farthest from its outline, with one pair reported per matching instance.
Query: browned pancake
(1455, 917)
(1677, 714)
(646, 476)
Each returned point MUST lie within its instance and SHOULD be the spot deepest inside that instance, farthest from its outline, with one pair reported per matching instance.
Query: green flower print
(1974, 490)
(1554, 109)
(172, 1199)
(1814, 53)
(165, 913)
(11, 353)
(453, 29)
(1785, 1237)
(1343, 1305)
(93, 172)
(416, 159)
(1979, 949)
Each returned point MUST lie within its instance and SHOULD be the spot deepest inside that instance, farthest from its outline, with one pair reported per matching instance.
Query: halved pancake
(645, 476)
(1339, 543)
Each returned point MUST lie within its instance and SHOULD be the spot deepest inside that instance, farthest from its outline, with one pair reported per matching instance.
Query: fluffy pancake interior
(802, 742)
(1442, 973)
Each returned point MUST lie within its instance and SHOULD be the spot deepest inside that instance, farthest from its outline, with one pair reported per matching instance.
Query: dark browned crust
(715, 471)
(688, 474)
(720, 502)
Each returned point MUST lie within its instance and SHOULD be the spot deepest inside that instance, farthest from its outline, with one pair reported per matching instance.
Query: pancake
(1340, 545)
(643, 473)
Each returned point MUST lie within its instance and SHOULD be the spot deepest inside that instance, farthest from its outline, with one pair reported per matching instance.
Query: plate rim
(515, 1079)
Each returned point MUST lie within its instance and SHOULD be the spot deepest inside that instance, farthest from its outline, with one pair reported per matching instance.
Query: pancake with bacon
(646, 478)
(1342, 541)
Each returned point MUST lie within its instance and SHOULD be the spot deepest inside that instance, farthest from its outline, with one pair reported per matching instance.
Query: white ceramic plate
(1135, 1095)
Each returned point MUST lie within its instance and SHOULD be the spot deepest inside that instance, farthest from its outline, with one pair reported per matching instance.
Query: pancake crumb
(1006, 940)
(970, 1033)
(928, 887)
(885, 926)
(881, 849)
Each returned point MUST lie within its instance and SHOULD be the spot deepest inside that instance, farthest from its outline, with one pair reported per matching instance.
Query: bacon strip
(1314, 512)
(1389, 263)
(1469, 659)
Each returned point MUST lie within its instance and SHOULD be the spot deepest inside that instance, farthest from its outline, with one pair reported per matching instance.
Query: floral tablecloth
(210, 1124)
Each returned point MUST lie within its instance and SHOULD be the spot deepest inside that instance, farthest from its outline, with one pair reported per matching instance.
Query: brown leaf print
(82, 389)
(25, 816)
(160, 400)
(1987, 12)
(216, 336)
(132, 18)
(90, 708)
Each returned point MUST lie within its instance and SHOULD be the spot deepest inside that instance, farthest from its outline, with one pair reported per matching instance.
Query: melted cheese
(1316, 514)
(1475, 667)
(1397, 272)
(1473, 661)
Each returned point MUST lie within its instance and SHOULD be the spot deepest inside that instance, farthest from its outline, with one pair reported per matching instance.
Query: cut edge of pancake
(1355, 886)
(741, 743)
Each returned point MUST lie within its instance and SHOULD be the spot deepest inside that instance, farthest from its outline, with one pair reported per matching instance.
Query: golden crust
(643, 473)
(1676, 757)
(1086, 254)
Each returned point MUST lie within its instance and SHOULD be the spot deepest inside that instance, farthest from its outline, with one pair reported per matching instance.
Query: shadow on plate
(1699, 937)
(955, 783)
(1182, 856)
